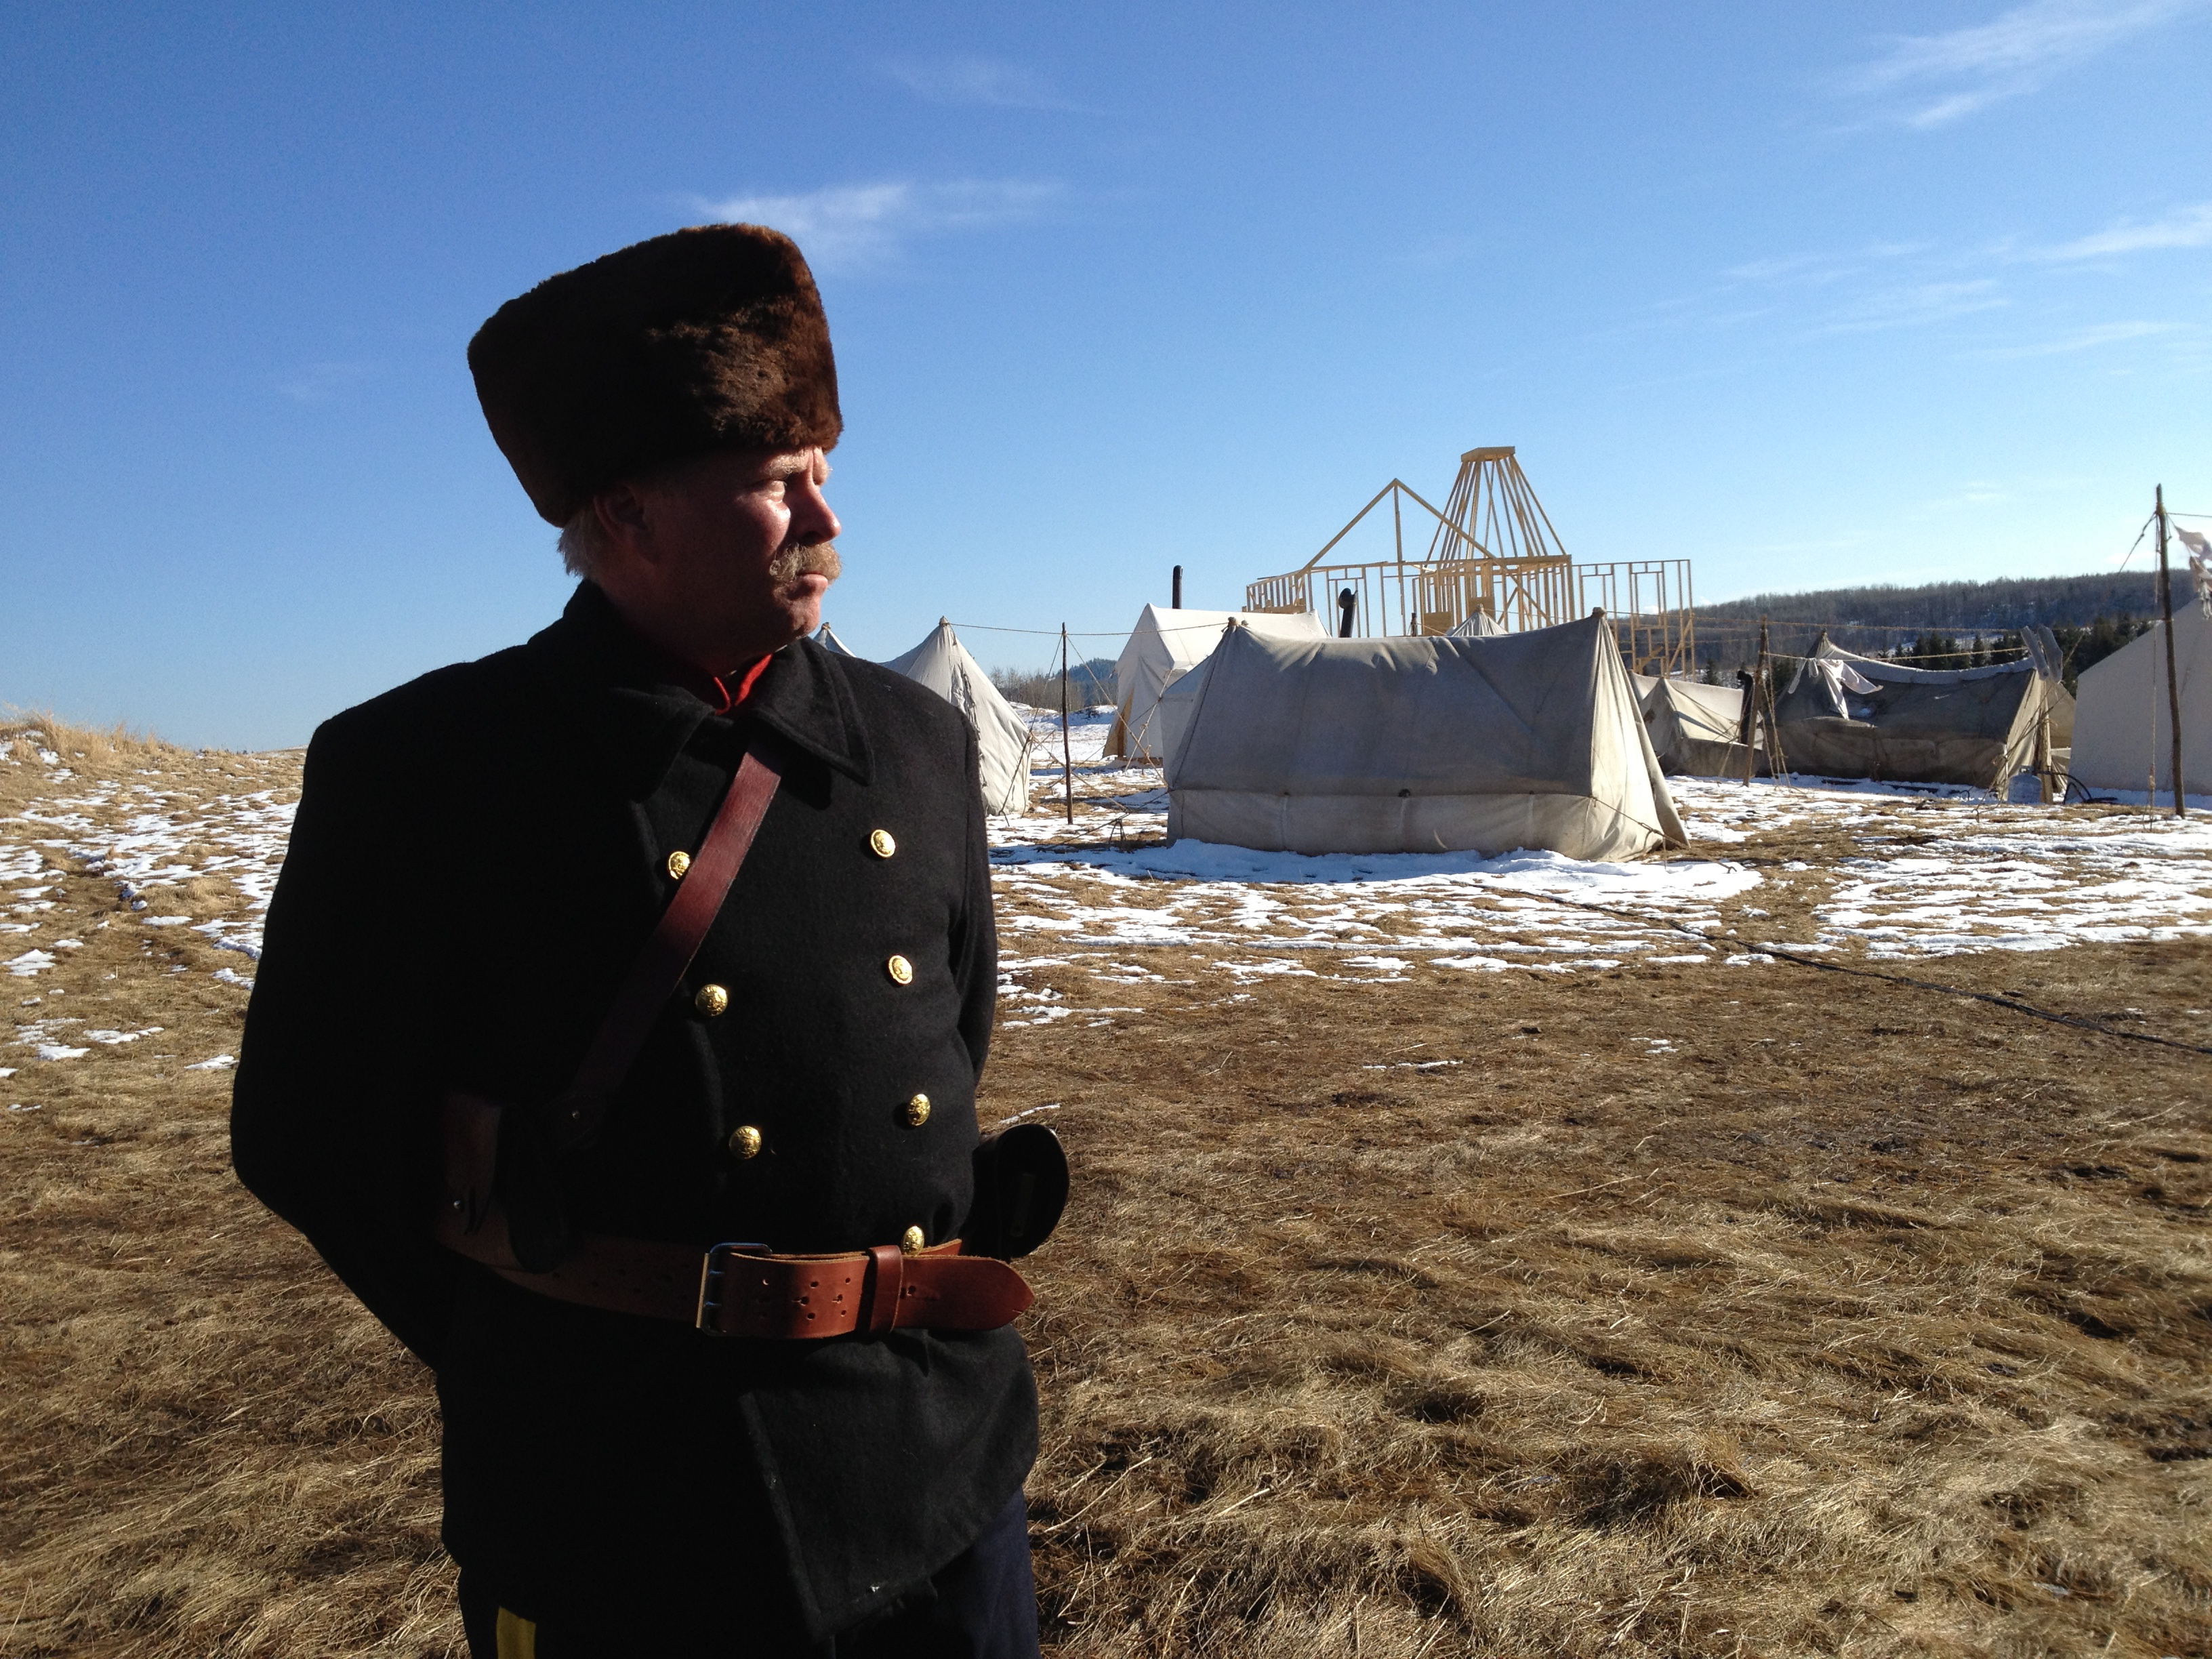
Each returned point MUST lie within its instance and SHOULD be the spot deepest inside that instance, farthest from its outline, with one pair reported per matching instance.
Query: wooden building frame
(1492, 550)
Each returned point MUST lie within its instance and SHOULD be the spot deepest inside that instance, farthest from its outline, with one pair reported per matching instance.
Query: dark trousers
(982, 1606)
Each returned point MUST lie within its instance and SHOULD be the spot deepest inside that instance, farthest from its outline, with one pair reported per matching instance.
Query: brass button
(917, 1111)
(900, 970)
(744, 1142)
(678, 862)
(912, 1240)
(882, 844)
(712, 1001)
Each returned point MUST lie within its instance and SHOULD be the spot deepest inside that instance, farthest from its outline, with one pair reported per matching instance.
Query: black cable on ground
(1781, 955)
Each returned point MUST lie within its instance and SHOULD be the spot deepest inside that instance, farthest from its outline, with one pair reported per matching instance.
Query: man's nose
(811, 520)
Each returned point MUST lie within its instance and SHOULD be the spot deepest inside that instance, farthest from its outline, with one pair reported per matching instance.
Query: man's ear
(625, 521)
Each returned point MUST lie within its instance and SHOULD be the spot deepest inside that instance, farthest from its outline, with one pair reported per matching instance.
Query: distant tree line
(1088, 684)
(1952, 624)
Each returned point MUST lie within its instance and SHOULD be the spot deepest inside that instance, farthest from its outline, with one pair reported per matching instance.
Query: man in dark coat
(477, 858)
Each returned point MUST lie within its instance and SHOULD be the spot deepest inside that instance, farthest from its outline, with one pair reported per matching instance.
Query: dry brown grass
(1857, 1320)
(94, 748)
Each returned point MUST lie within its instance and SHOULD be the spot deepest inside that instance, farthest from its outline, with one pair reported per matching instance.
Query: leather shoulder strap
(660, 964)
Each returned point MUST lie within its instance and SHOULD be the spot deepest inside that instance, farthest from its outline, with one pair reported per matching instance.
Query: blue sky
(1807, 295)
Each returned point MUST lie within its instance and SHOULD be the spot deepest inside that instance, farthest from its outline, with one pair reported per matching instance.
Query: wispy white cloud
(2189, 226)
(1914, 305)
(849, 227)
(2083, 339)
(1933, 79)
(1820, 270)
(986, 80)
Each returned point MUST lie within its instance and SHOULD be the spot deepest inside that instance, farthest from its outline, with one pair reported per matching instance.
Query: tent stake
(2173, 683)
(1067, 763)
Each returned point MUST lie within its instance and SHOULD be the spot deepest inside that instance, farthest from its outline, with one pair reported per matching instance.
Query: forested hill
(2013, 603)
(1939, 625)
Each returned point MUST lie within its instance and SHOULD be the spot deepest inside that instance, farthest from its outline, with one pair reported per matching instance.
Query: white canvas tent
(1697, 730)
(1425, 744)
(1163, 646)
(824, 638)
(1848, 716)
(2123, 723)
(1480, 626)
(942, 663)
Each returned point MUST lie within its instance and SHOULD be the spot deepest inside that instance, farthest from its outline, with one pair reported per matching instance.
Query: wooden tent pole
(1066, 760)
(1751, 708)
(2173, 683)
(1777, 763)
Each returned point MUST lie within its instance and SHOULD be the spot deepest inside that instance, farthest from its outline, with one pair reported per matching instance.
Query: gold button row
(881, 842)
(714, 1000)
(745, 1141)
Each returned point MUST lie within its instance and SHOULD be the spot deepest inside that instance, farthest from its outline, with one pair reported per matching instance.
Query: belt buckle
(714, 1268)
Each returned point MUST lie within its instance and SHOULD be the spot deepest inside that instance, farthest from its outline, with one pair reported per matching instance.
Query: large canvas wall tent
(1848, 716)
(1697, 730)
(2124, 724)
(1529, 740)
(1165, 645)
(942, 663)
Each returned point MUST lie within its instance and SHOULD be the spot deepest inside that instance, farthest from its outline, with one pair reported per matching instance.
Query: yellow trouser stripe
(518, 1638)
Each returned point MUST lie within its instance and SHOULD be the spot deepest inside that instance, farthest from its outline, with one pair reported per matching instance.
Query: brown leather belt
(746, 1290)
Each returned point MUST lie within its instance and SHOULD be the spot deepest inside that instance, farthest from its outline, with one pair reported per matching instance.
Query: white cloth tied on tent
(1425, 744)
(1164, 645)
(2200, 565)
(942, 663)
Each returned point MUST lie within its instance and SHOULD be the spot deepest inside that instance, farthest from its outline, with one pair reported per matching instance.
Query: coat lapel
(634, 720)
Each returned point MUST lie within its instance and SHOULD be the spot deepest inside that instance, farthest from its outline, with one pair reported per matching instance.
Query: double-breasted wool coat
(476, 858)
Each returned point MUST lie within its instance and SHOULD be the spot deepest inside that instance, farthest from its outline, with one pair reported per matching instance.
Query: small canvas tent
(1848, 716)
(1697, 730)
(942, 663)
(1163, 646)
(2123, 725)
(1480, 626)
(1424, 744)
(824, 638)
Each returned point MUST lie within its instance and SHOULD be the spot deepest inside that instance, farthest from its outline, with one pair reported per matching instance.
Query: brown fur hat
(707, 338)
